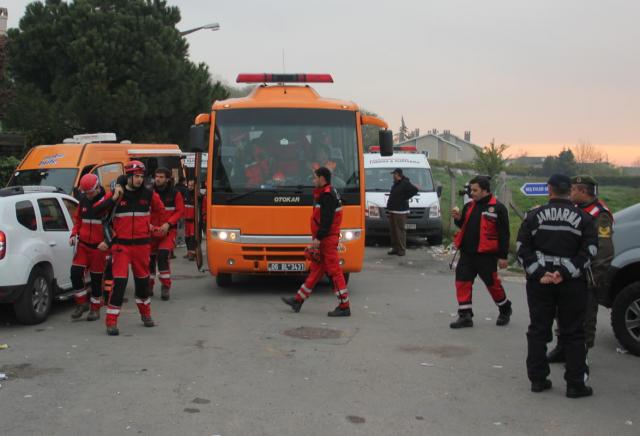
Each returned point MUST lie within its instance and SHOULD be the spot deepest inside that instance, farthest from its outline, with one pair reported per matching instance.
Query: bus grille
(273, 254)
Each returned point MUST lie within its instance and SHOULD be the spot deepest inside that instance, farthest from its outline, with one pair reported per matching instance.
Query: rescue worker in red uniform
(86, 236)
(483, 243)
(190, 220)
(136, 205)
(165, 229)
(325, 230)
(256, 171)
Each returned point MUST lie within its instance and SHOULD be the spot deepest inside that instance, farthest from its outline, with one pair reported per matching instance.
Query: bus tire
(223, 280)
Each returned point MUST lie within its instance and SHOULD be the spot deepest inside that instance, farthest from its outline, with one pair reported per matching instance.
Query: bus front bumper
(273, 256)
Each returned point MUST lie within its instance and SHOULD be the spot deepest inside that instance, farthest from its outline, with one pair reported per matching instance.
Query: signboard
(190, 160)
(535, 189)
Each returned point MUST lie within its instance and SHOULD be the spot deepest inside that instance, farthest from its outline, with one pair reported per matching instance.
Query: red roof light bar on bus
(284, 78)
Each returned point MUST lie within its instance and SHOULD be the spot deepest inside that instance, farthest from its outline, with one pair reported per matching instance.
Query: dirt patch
(192, 410)
(27, 371)
(353, 419)
(200, 344)
(187, 276)
(201, 401)
(444, 351)
(313, 333)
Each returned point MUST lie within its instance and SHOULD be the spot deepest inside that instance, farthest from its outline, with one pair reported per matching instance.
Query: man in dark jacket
(555, 245)
(398, 209)
(483, 242)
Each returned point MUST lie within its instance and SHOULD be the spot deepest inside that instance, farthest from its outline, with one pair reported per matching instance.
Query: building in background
(536, 162)
(443, 146)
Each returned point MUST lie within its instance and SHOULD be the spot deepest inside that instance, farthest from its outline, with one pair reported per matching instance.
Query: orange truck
(62, 165)
(262, 150)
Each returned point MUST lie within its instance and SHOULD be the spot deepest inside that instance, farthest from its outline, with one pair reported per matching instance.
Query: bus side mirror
(386, 142)
(198, 139)
(439, 191)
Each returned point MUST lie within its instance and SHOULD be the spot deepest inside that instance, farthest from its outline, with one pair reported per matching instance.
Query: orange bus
(262, 150)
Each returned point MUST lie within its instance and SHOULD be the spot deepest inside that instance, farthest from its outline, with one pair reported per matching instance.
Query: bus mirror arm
(198, 138)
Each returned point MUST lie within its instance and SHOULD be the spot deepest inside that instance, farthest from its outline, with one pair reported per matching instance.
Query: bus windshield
(63, 178)
(380, 179)
(277, 150)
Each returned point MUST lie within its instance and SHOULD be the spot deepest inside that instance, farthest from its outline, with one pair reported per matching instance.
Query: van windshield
(63, 178)
(380, 179)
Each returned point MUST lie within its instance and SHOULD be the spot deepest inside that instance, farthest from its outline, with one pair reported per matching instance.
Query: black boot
(113, 330)
(579, 391)
(392, 252)
(147, 321)
(93, 315)
(164, 293)
(295, 304)
(465, 319)
(539, 386)
(338, 311)
(79, 310)
(556, 355)
(505, 314)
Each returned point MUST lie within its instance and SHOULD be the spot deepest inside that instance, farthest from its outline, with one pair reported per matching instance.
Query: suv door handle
(52, 244)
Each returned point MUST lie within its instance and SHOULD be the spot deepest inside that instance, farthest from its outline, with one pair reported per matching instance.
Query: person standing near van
(136, 206)
(483, 243)
(398, 208)
(87, 235)
(165, 226)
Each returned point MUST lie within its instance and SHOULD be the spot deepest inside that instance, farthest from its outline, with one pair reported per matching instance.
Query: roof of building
(440, 138)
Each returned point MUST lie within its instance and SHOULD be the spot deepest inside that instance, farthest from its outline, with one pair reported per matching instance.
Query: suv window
(52, 216)
(26, 215)
(71, 207)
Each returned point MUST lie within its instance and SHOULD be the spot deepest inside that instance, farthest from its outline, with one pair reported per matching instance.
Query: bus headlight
(434, 210)
(350, 234)
(225, 234)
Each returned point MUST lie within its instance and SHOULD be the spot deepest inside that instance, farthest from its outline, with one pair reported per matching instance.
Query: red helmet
(88, 183)
(312, 254)
(134, 167)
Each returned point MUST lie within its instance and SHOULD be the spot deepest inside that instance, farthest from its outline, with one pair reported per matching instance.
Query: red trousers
(93, 260)
(123, 256)
(470, 266)
(329, 264)
(161, 249)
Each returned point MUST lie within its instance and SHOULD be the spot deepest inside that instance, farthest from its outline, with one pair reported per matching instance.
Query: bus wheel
(223, 280)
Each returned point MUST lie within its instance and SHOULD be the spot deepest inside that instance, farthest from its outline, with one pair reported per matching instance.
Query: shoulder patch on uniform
(604, 232)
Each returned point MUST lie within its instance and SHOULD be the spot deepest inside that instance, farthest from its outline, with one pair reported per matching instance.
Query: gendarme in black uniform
(557, 237)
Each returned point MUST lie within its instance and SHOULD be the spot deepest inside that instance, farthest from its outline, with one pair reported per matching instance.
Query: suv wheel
(435, 239)
(34, 304)
(223, 280)
(625, 318)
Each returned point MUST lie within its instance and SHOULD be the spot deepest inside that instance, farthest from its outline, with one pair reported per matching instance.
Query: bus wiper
(255, 191)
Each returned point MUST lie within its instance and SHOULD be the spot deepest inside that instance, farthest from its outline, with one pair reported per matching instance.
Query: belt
(190, 220)
(138, 241)
(88, 244)
(555, 260)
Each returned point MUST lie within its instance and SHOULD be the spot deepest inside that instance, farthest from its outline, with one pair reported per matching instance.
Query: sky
(537, 75)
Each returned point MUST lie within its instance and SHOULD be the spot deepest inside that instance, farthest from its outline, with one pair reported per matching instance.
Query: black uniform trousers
(569, 300)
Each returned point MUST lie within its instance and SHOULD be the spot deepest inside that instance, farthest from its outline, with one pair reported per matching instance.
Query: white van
(424, 218)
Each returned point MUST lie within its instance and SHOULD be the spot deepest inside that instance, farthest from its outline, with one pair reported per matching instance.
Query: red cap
(88, 183)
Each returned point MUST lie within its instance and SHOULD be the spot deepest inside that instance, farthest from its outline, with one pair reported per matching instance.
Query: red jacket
(327, 213)
(132, 218)
(489, 241)
(173, 207)
(88, 224)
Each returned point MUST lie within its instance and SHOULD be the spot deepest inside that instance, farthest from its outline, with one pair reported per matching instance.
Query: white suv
(35, 256)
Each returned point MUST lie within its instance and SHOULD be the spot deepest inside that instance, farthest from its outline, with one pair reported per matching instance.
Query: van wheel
(625, 318)
(34, 304)
(223, 280)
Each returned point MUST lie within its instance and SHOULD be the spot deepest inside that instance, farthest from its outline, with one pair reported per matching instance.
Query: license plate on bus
(286, 267)
(410, 226)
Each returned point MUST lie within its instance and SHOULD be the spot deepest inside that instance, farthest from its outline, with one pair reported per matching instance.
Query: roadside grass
(616, 197)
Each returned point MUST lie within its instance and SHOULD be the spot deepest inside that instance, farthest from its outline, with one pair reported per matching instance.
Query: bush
(7, 165)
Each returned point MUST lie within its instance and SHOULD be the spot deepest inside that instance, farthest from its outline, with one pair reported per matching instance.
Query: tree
(403, 131)
(586, 154)
(105, 65)
(564, 163)
(490, 160)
